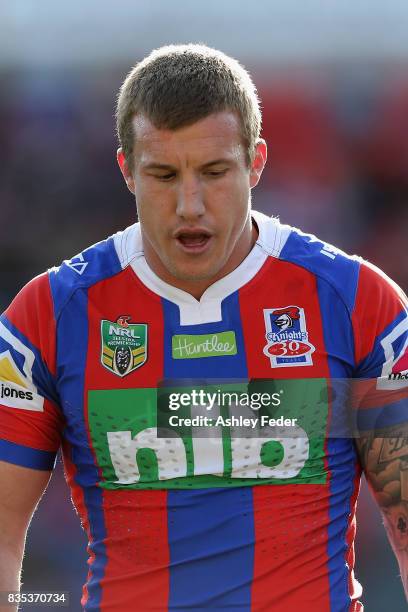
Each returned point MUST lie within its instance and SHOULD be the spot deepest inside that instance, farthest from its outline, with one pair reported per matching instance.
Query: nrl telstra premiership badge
(287, 336)
(124, 345)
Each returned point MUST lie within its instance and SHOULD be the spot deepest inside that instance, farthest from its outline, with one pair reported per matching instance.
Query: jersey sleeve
(380, 325)
(30, 418)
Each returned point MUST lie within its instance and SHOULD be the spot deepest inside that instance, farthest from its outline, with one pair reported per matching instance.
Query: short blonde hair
(177, 85)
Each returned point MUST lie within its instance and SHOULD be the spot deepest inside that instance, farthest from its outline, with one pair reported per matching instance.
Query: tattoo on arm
(384, 457)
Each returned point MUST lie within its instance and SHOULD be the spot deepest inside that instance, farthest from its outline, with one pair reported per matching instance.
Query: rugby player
(202, 288)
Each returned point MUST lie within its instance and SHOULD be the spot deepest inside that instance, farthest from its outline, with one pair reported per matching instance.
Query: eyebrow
(169, 167)
(154, 166)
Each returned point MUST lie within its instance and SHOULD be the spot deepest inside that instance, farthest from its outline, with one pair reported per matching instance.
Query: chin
(194, 276)
(191, 274)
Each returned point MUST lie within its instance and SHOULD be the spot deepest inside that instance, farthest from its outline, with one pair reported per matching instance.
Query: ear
(125, 170)
(258, 164)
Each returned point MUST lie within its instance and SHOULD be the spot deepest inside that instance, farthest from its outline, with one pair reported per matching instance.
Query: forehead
(218, 133)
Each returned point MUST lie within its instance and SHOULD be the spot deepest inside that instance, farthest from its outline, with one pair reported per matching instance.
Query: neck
(196, 288)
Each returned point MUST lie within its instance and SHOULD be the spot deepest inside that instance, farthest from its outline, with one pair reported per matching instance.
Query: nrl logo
(124, 345)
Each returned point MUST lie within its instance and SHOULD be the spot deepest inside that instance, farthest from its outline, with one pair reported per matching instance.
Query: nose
(190, 200)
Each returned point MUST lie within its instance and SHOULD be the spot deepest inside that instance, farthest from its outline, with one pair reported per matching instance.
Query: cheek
(152, 203)
(235, 204)
(231, 194)
(240, 187)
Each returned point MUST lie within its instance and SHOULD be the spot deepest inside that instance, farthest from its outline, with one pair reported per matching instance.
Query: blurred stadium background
(333, 79)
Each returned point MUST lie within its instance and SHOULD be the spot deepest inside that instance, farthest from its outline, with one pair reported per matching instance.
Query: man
(202, 289)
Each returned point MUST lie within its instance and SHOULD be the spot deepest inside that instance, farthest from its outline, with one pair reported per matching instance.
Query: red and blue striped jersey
(187, 522)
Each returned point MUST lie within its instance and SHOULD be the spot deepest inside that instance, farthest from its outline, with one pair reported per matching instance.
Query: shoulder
(355, 280)
(330, 265)
(376, 306)
(51, 290)
(96, 263)
(380, 318)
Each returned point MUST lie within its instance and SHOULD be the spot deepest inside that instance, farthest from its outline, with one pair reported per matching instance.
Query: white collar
(272, 236)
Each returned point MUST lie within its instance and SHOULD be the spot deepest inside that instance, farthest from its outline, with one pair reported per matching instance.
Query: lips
(193, 240)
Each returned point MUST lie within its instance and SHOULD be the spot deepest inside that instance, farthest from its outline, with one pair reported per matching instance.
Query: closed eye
(165, 177)
(216, 173)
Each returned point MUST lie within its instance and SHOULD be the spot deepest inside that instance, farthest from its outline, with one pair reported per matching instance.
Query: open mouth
(193, 241)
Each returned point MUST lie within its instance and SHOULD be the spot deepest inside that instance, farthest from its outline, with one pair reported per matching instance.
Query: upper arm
(380, 401)
(30, 418)
(21, 488)
(384, 458)
(380, 326)
(380, 398)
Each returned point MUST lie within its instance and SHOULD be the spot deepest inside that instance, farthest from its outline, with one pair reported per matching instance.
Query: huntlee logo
(398, 376)
(205, 345)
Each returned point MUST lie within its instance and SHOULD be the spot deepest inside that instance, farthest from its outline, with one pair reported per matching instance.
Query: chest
(141, 376)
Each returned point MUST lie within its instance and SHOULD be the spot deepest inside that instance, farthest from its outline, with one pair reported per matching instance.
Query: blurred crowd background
(333, 81)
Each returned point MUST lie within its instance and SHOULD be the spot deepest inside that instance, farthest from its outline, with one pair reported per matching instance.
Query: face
(192, 189)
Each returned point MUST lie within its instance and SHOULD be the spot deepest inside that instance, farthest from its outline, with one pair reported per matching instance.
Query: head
(178, 85)
(179, 111)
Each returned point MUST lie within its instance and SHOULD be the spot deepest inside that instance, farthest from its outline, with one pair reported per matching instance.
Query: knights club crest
(287, 337)
(123, 345)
